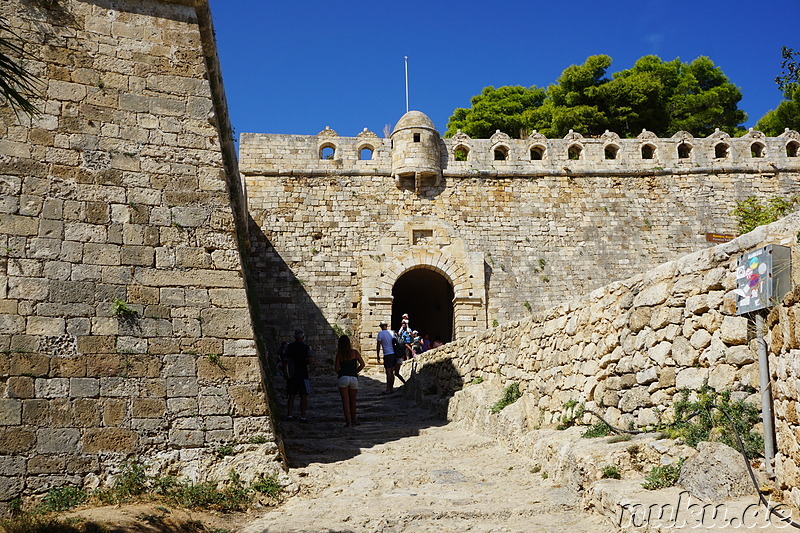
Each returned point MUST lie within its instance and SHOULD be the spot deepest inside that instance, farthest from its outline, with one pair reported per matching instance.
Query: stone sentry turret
(415, 150)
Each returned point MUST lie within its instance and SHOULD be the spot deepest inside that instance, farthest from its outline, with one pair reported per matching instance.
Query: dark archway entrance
(427, 297)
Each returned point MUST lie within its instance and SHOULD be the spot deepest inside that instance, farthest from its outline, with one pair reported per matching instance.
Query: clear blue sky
(298, 66)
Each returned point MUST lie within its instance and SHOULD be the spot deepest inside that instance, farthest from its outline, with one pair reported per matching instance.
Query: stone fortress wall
(124, 187)
(627, 348)
(336, 221)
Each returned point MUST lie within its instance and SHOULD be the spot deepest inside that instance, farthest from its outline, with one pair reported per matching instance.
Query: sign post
(762, 278)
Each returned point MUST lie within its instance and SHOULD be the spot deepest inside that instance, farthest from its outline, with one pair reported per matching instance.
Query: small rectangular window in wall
(422, 236)
(416, 137)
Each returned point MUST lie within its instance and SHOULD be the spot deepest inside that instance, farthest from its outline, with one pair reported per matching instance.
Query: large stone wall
(124, 187)
(627, 348)
(331, 236)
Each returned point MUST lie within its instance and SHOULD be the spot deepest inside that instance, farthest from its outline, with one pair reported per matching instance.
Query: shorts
(298, 386)
(390, 360)
(348, 382)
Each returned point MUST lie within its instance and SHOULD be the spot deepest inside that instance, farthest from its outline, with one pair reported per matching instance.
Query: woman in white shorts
(348, 364)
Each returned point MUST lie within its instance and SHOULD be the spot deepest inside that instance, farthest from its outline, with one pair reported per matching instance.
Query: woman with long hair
(348, 364)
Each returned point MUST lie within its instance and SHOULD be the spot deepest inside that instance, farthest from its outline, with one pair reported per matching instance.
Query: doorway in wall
(427, 297)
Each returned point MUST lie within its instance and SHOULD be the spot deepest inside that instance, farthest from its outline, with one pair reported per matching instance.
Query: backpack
(399, 347)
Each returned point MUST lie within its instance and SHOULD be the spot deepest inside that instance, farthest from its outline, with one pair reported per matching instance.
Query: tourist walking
(391, 357)
(298, 357)
(348, 364)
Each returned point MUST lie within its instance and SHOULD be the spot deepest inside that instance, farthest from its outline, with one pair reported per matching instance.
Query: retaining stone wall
(124, 187)
(626, 349)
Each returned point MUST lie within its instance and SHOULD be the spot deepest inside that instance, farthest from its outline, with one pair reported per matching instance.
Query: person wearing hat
(298, 355)
(391, 360)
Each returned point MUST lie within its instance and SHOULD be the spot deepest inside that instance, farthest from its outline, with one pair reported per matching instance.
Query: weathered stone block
(683, 353)
(105, 364)
(227, 323)
(20, 387)
(114, 440)
(639, 318)
(115, 411)
(10, 487)
(52, 388)
(186, 438)
(700, 339)
(734, 330)
(691, 378)
(182, 406)
(148, 407)
(182, 386)
(84, 387)
(179, 365)
(36, 412)
(653, 295)
(716, 474)
(214, 405)
(213, 368)
(86, 412)
(739, 355)
(16, 440)
(10, 412)
(137, 255)
(46, 464)
(59, 440)
(96, 344)
(119, 387)
(248, 400)
(12, 465)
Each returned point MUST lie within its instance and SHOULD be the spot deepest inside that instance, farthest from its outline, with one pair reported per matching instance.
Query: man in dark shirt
(298, 356)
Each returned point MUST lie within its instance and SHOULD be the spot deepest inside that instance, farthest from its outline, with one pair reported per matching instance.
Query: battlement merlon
(501, 156)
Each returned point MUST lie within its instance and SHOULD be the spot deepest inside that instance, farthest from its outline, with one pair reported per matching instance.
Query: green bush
(752, 213)
(510, 395)
(268, 485)
(611, 472)
(663, 476)
(601, 429)
(702, 420)
(225, 450)
(63, 499)
(572, 413)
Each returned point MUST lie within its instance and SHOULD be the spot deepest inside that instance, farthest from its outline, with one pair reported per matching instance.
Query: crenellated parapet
(416, 151)
(610, 154)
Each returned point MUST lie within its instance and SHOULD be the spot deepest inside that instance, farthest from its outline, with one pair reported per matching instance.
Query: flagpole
(406, 62)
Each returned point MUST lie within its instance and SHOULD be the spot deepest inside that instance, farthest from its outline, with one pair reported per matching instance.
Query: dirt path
(402, 470)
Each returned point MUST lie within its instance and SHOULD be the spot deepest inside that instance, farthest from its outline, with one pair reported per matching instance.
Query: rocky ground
(402, 469)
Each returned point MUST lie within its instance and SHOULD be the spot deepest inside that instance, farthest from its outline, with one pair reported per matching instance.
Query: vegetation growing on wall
(754, 212)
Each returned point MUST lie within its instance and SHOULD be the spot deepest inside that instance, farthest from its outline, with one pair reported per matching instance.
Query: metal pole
(766, 395)
(406, 62)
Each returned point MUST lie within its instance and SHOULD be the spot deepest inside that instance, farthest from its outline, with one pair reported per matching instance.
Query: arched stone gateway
(427, 296)
(435, 280)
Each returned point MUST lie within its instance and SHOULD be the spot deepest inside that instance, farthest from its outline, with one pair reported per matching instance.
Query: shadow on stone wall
(281, 303)
(433, 386)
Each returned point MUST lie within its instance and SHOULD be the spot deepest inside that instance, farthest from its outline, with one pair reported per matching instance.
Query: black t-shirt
(298, 353)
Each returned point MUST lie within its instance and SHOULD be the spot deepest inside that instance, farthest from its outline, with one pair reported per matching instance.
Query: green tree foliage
(495, 109)
(786, 115)
(17, 84)
(663, 97)
(790, 68)
(752, 212)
